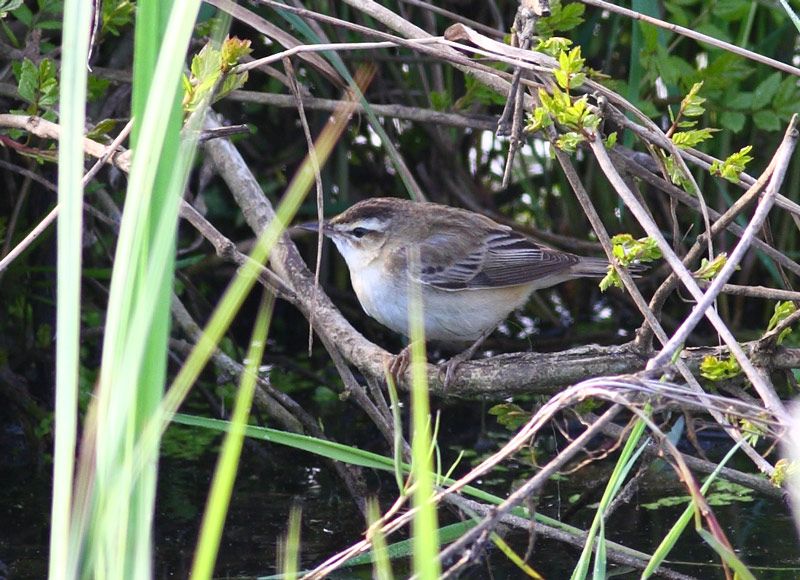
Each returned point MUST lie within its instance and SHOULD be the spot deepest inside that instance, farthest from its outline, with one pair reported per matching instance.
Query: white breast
(381, 299)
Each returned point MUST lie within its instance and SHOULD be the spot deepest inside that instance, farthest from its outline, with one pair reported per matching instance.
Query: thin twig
(53, 131)
(694, 35)
(765, 391)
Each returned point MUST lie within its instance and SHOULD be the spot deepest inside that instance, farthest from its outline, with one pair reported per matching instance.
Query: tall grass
(77, 18)
(111, 527)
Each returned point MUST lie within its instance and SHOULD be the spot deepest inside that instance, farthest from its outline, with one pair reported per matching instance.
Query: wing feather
(502, 257)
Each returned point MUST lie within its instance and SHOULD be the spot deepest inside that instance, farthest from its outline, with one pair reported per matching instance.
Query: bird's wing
(501, 257)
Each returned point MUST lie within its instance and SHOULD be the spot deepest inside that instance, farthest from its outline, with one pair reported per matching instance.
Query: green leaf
(782, 311)
(709, 270)
(685, 139)
(628, 250)
(510, 416)
(7, 6)
(732, 120)
(37, 86)
(553, 45)
(741, 101)
(767, 120)
(611, 279)
(117, 14)
(562, 18)
(27, 81)
(477, 92)
(715, 369)
(787, 96)
(569, 141)
(102, 129)
(731, 10)
(440, 100)
(733, 166)
(766, 90)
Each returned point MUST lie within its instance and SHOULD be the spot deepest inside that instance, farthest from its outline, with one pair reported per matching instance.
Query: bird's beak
(327, 230)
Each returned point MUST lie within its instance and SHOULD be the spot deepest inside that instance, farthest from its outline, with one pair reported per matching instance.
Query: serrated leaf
(731, 10)
(732, 120)
(562, 18)
(28, 81)
(715, 369)
(610, 280)
(767, 120)
(766, 90)
(732, 167)
(741, 102)
(692, 138)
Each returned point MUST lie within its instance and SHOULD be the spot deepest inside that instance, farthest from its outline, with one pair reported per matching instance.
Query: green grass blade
(424, 525)
(679, 526)
(624, 464)
(382, 569)
(134, 351)
(72, 99)
(225, 473)
(290, 551)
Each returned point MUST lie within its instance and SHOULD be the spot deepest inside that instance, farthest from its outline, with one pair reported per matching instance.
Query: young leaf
(733, 166)
(715, 369)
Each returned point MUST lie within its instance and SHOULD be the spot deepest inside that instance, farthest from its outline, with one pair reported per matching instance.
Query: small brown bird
(472, 271)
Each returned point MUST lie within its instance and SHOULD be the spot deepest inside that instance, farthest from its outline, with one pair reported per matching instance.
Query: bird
(471, 271)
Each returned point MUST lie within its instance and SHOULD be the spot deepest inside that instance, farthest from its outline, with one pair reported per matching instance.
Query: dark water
(272, 479)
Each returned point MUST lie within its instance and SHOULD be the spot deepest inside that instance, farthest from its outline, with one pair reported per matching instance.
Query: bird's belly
(465, 315)
(449, 316)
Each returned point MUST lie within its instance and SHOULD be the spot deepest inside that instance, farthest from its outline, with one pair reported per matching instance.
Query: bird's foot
(450, 366)
(397, 365)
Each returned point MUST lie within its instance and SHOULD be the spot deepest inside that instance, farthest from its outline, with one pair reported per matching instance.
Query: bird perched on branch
(471, 271)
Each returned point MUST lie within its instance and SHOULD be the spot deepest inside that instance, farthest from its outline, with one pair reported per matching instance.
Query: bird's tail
(598, 267)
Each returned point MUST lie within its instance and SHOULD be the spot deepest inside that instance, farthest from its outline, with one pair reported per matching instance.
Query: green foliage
(440, 100)
(563, 17)
(7, 6)
(692, 138)
(510, 416)
(100, 131)
(691, 108)
(716, 369)
(709, 270)
(628, 250)
(553, 46)
(117, 14)
(568, 75)
(675, 172)
(733, 166)
(782, 311)
(751, 432)
(770, 103)
(477, 92)
(211, 72)
(37, 86)
(576, 117)
(47, 17)
(783, 470)
(722, 493)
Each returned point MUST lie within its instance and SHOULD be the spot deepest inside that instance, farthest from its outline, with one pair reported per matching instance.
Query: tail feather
(598, 267)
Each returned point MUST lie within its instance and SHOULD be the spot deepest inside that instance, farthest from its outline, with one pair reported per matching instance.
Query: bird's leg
(397, 365)
(455, 361)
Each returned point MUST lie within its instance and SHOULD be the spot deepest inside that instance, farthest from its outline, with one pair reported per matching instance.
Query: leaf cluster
(629, 251)
(212, 72)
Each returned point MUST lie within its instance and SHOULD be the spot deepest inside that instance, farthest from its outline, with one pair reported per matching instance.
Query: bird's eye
(359, 232)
